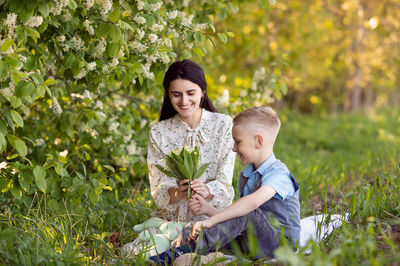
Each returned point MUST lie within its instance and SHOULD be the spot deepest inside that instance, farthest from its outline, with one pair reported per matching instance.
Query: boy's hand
(182, 189)
(200, 188)
(196, 228)
(198, 205)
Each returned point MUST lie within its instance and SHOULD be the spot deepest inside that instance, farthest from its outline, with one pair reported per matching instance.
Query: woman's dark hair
(188, 70)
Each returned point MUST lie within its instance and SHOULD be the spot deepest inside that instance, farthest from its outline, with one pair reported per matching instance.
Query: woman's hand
(196, 228)
(198, 205)
(200, 188)
(179, 193)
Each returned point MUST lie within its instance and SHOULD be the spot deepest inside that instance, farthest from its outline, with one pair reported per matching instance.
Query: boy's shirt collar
(249, 170)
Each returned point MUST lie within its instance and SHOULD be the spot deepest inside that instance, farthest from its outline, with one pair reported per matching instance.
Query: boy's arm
(239, 208)
(244, 205)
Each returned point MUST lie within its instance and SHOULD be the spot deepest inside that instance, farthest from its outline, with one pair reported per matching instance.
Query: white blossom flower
(243, 93)
(153, 38)
(189, 45)
(167, 42)
(89, 4)
(88, 27)
(139, 19)
(138, 46)
(155, 7)
(55, 106)
(92, 66)
(131, 148)
(172, 14)
(3, 165)
(107, 140)
(146, 71)
(100, 48)
(60, 38)
(127, 138)
(87, 94)
(59, 6)
(102, 116)
(99, 105)
(34, 21)
(64, 153)
(157, 27)
(6, 92)
(106, 6)
(201, 27)
(39, 141)
(114, 62)
(140, 5)
(164, 58)
(224, 98)
(187, 21)
(113, 127)
(11, 20)
(259, 75)
(139, 34)
(253, 86)
(78, 43)
(57, 141)
(81, 74)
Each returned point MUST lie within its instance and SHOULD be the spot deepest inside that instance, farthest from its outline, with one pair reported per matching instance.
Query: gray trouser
(224, 233)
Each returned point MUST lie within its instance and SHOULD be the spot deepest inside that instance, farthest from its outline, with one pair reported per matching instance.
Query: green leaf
(16, 117)
(72, 4)
(16, 192)
(114, 15)
(3, 143)
(6, 45)
(94, 197)
(53, 205)
(60, 170)
(113, 49)
(165, 171)
(3, 128)
(109, 167)
(21, 147)
(40, 175)
(222, 37)
(198, 36)
(102, 29)
(198, 51)
(186, 54)
(200, 171)
(115, 33)
(230, 34)
(38, 79)
(50, 81)
(44, 9)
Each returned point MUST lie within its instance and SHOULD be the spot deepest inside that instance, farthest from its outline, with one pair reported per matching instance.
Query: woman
(188, 118)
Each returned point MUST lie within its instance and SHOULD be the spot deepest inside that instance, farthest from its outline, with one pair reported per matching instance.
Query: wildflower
(187, 21)
(106, 6)
(87, 94)
(34, 21)
(139, 5)
(102, 116)
(138, 46)
(131, 148)
(127, 138)
(39, 141)
(11, 19)
(224, 99)
(81, 74)
(155, 7)
(201, 27)
(89, 4)
(78, 43)
(259, 75)
(3, 165)
(114, 62)
(113, 127)
(107, 140)
(165, 58)
(139, 34)
(152, 38)
(92, 66)
(172, 14)
(59, 6)
(157, 27)
(100, 48)
(55, 106)
(88, 27)
(139, 19)
(6, 92)
(64, 153)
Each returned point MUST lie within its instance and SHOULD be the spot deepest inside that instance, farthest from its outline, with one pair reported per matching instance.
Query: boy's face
(244, 144)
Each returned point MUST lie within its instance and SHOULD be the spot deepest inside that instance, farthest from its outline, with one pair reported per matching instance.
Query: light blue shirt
(276, 177)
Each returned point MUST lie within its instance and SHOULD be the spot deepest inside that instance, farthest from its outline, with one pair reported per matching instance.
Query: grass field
(344, 163)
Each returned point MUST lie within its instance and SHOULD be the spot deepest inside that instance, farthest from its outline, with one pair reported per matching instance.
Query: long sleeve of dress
(221, 187)
(159, 182)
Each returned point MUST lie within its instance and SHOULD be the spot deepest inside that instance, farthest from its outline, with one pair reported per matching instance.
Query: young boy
(267, 191)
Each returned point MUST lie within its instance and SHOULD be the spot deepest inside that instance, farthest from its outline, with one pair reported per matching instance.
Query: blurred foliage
(332, 55)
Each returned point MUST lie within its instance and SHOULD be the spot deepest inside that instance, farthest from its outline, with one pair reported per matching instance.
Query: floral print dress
(213, 136)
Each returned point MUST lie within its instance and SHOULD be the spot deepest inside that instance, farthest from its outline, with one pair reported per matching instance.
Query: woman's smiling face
(185, 97)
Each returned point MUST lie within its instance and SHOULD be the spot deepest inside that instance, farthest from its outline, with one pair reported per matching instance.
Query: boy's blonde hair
(262, 116)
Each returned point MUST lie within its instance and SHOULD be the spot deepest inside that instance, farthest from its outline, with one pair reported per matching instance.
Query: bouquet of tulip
(183, 165)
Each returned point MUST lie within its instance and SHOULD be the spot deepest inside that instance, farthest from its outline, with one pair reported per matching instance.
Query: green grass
(344, 163)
